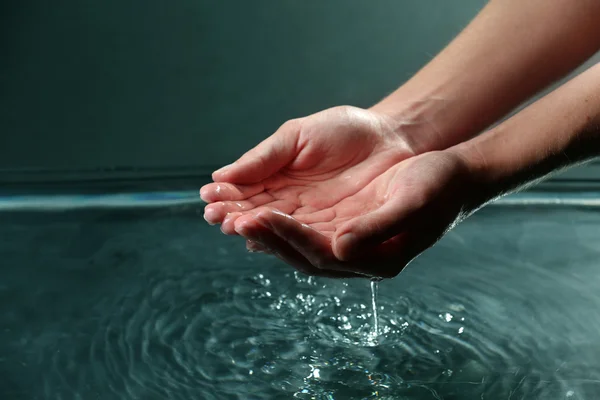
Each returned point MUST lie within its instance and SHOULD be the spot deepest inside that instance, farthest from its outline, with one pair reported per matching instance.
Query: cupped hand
(398, 215)
(333, 173)
(312, 168)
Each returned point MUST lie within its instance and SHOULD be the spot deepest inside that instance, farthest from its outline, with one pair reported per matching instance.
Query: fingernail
(241, 228)
(225, 220)
(263, 220)
(202, 196)
(255, 249)
(222, 169)
(209, 215)
(345, 244)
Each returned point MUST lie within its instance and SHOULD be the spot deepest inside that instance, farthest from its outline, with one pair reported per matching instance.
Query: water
(374, 284)
(135, 303)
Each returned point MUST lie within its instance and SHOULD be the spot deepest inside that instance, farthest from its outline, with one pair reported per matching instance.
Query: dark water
(155, 304)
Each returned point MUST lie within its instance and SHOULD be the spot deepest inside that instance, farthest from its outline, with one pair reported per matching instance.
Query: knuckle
(289, 125)
(346, 109)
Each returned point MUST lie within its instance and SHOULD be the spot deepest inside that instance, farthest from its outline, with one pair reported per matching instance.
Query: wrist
(419, 121)
(484, 183)
(556, 132)
(436, 113)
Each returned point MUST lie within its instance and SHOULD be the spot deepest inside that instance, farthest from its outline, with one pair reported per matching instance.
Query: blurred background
(113, 89)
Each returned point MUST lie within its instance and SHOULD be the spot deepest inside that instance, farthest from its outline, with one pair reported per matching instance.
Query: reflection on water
(130, 304)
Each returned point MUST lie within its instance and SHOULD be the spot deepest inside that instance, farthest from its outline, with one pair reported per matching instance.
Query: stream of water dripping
(375, 326)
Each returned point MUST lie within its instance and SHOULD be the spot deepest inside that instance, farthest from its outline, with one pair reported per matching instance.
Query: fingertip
(210, 215)
(223, 174)
(210, 193)
(262, 217)
(260, 213)
(255, 247)
(241, 228)
(345, 246)
(224, 168)
(243, 225)
(218, 177)
(203, 192)
(228, 224)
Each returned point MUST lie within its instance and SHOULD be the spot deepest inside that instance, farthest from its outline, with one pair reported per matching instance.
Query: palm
(341, 169)
(324, 203)
(407, 209)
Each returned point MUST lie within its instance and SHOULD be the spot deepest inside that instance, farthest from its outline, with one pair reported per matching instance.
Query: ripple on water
(283, 335)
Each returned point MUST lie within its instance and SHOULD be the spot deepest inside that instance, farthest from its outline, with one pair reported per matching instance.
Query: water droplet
(447, 317)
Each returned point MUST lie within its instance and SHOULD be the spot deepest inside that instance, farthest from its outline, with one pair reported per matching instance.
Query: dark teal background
(114, 83)
(194, 83)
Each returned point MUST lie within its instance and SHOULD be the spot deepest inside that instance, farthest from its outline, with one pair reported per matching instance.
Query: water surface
(151, 303)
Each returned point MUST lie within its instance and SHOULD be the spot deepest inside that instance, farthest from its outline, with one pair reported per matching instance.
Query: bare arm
(558, 131)
(510, 51)
(438, 189)
(361, 185)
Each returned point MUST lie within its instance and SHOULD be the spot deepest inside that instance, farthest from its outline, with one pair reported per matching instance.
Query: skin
(349, 192)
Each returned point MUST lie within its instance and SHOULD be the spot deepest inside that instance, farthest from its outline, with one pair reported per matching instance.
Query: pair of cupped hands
(340, 194)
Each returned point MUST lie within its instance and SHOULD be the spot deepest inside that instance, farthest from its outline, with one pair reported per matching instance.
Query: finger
(394, 255)
(363, 233)
(255, 247)
(228, 224)
(326, 228)
(215, 213)
(252, 230)
(313, 245)
(223, 191)
(265, 159)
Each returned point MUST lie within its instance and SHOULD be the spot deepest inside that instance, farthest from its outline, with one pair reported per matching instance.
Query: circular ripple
(221, 335)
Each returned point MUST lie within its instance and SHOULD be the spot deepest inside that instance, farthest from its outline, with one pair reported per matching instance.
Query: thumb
(265, 159)
(368, 231)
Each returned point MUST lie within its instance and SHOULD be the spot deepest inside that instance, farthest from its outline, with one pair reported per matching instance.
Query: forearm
(560, 130)
(510, 51)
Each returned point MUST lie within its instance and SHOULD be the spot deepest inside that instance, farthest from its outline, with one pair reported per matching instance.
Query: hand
(314, 168)
(401, 213)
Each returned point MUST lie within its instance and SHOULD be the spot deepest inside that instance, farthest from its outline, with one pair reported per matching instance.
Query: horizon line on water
(156, 199)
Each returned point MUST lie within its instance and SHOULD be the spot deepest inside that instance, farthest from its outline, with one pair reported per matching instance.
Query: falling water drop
(375, 326)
